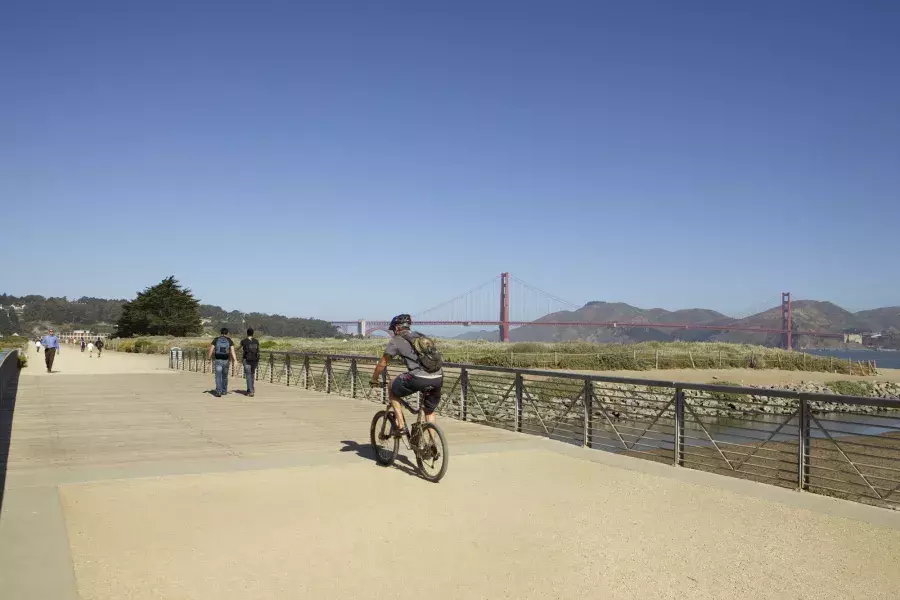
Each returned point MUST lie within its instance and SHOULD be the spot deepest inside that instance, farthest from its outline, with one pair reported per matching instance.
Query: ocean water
(884, 359)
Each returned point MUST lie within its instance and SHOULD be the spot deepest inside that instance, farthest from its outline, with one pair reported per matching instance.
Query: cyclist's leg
(431, 397)
(400, 388)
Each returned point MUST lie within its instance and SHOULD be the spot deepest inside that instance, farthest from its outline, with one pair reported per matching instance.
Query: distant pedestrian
(51, 347)
(250, 356)
(99, 345)
(82, 344)
(90, 348)
(221, 352)
(37, 346)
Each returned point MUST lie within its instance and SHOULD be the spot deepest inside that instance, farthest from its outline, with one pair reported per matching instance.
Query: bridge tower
(786, 340)
(361, 328)
(504, 307)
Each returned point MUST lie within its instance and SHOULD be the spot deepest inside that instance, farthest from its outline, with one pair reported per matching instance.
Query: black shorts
(407, 385)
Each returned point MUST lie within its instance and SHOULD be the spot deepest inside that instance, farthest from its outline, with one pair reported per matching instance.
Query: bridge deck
(127, 481)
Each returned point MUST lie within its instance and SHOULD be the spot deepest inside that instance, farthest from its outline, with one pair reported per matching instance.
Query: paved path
(126, 481)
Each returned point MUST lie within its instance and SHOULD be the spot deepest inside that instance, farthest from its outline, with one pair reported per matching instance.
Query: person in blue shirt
(51, 346)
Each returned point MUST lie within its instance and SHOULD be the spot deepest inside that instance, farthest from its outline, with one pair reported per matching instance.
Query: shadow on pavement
(9, 388)
(367, 451)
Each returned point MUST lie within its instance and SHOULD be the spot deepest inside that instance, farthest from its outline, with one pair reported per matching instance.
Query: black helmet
(403, 320)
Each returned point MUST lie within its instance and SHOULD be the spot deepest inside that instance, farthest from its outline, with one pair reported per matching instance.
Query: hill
(807, 315)
(31, 315)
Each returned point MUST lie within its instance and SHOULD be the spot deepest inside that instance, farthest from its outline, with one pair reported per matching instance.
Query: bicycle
(426, 440)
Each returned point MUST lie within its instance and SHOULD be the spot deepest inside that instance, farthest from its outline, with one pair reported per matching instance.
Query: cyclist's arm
(380, 367)
(212, 348)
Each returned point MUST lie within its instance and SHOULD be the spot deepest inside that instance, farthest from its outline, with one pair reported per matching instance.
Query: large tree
(164, 309)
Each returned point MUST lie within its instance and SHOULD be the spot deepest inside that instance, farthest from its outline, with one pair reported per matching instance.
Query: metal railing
(842, 446)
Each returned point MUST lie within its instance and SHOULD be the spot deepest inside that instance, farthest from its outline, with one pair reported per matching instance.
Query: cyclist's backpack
(251, 350)
(222, 347)
(427, 353)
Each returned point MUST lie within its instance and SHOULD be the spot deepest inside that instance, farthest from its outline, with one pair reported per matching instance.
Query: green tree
(6, 325)
(164, 309)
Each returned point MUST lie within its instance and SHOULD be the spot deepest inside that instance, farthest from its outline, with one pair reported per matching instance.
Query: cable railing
(843, 446)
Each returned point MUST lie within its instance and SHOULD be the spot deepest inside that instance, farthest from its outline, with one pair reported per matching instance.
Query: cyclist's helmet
(403, 320)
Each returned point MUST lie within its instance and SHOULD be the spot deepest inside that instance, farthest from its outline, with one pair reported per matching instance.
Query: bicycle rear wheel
(432, 458)
(383, 443)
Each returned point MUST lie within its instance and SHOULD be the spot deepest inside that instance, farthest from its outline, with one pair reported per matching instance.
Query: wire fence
(843, 446)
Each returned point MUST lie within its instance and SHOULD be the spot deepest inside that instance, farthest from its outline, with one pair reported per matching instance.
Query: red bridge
(471, 309)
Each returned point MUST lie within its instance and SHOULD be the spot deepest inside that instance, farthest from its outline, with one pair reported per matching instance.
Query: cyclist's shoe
(398, 432)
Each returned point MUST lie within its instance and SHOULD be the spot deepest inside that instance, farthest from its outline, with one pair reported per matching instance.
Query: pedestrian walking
(99, 345)
(250, 357)
(90, 348)
(221, 353)
(51, 347)
(37, 346)
(82, 344)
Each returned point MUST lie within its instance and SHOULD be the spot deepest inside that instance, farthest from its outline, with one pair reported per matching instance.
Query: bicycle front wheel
(432, 452)
(383, 443)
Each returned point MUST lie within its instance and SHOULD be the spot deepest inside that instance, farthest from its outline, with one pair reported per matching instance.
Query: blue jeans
(221, 370)
(250, 375)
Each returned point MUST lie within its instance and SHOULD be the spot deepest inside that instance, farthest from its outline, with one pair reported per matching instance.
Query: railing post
(306, 371)
(204, 357)
(271, 367)
(384, 390)
(519, 393)
(287, 367)
(464, 394)
(353, 378)
(679, 427)
(171, 356)
(328, 375)
(588, 440)
(803, 446)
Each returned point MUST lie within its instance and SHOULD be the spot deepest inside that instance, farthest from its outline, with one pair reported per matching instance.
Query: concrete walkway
(128, 481)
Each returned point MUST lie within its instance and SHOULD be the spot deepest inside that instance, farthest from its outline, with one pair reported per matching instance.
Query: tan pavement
(126, 481)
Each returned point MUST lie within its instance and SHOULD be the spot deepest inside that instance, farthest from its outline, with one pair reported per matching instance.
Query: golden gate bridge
(517, 304)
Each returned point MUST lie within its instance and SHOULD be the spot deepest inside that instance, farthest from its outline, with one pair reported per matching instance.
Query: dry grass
(567, 355)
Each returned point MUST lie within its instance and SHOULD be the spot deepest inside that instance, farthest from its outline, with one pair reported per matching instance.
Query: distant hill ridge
(807, 315)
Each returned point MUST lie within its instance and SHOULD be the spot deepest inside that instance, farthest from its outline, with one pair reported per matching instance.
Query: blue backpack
(222, 347)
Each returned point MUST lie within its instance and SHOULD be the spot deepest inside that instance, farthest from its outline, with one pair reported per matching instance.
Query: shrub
(850, 388)
(727, 396)
(23, 360)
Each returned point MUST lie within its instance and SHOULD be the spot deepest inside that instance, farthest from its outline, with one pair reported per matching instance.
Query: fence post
(306, 371)
(353, 378)
(328, 375)
(287, 367)
(803, 446)
(463, 394)
(519, 390)
(171, 356)
(384, 391)
(679, 427)
(588, 413)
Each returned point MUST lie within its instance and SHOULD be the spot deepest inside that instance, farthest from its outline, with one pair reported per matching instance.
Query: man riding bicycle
(424, 372)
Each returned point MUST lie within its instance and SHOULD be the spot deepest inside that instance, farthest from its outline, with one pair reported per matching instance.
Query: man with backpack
(99, 346)
(250, 355)
(221, 353)
(423, 364)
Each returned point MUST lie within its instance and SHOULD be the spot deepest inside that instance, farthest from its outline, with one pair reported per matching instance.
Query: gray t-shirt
(398, 346)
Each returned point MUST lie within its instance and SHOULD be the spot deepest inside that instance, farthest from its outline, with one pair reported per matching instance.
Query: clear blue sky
(282, 157)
